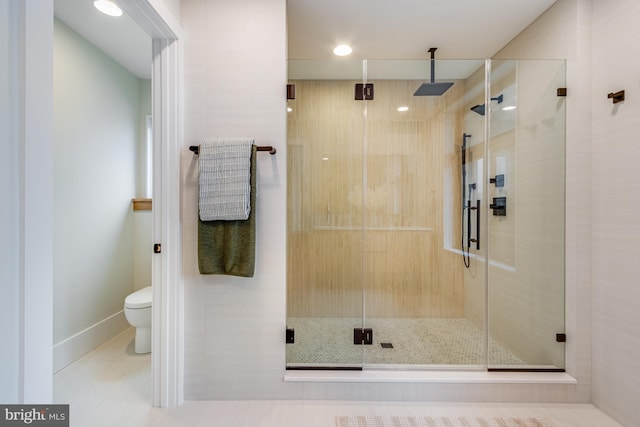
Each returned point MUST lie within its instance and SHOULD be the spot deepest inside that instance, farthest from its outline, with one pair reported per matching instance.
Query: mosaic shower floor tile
(329, 341)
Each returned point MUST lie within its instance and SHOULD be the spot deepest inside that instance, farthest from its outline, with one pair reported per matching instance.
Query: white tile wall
(235, 72)
(616, 208)
(569, 21)
(235, 81)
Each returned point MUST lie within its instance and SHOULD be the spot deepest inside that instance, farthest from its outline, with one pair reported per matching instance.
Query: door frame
(167, 351)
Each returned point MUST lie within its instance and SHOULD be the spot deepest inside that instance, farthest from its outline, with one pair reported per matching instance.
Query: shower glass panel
(325, 238)
(526, 225)
(413, 268)
(425, 232)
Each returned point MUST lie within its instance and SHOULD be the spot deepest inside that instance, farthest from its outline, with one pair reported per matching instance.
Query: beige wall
(401, 259)
(474, 276)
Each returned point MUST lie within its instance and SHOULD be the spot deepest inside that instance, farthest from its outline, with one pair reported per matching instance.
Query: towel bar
(269, 148)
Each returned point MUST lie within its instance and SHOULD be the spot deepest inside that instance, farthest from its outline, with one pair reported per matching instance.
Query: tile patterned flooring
(111, 386)
(329, 341)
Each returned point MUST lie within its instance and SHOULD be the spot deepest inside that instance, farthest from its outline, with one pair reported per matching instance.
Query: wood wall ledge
(141, 204)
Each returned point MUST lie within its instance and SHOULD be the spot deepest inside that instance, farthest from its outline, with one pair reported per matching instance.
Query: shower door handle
(477, 209)
(469, 239)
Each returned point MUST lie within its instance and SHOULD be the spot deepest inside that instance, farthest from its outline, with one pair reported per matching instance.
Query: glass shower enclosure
(426, 232)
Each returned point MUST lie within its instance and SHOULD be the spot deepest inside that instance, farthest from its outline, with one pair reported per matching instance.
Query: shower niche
(422, 234)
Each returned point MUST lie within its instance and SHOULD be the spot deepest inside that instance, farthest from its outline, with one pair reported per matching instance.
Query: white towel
(225, 185)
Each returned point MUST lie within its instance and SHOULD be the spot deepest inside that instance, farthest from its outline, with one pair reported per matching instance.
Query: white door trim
(167, 351)
(31, 145)
(167, 342)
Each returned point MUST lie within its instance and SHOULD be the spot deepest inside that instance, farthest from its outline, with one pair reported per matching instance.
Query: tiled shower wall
(401, 262)
(564, 31)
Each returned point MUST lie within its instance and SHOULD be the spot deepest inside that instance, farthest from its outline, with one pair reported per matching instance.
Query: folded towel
(224, 178)
(228, 247)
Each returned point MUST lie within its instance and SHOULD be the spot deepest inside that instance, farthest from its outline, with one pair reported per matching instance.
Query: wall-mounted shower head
(479, 109)
(432, 88)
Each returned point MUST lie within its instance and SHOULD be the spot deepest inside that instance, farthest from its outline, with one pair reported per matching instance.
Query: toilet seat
(139, 299)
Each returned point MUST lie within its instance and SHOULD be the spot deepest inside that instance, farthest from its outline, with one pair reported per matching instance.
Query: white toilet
(137, 310)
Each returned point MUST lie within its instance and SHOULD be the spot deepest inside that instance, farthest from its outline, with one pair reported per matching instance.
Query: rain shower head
(432, 88)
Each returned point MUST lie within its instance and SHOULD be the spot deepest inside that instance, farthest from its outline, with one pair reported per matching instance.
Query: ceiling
(120, 38)
(376, 29)
(405, 29)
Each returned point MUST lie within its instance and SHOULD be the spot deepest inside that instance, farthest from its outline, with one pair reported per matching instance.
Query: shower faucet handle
(499, 206)
(498, 180)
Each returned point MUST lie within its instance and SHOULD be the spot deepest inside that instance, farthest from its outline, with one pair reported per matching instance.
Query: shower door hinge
(291, 91)
(363, 336)
(364, 92)
(157, 248)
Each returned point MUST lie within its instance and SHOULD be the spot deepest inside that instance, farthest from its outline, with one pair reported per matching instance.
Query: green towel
(229, 247)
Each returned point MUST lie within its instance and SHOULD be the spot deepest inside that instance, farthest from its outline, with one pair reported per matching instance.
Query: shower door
(426, 232)
(324, 239)
(414, 273)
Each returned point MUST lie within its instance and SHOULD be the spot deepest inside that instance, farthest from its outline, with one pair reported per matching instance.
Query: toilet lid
(139, 299)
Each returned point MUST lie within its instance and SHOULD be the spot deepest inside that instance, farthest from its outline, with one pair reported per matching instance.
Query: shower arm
(432, 51)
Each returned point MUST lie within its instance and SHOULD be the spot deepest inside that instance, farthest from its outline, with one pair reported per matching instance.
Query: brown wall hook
(617, 97)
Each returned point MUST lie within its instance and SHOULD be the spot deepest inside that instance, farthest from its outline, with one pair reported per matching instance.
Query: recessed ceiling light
(403, 108)
(108, 7)
(509, 108)
(342, 50)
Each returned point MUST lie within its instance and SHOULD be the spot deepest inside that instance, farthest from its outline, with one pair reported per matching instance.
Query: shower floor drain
(386, 345)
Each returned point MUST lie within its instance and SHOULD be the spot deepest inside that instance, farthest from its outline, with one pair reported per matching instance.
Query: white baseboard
(83, 342)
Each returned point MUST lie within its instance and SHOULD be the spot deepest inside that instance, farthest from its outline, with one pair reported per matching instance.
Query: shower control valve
(499, 206)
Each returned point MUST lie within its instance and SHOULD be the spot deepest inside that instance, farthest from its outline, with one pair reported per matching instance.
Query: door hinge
(291, 336)
(364, 92)
(157, 248)
(362, 336)
(291, 91)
